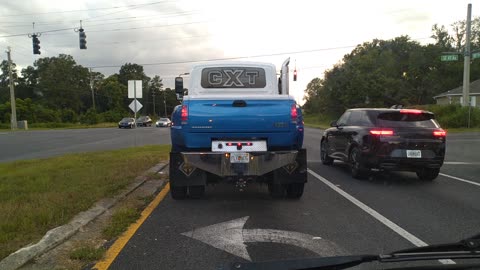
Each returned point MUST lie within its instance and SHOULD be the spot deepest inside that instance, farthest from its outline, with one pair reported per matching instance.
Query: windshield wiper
(466, 249)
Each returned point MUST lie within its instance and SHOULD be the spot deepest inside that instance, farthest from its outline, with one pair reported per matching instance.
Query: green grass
(46, 126)
(462, 130)
(120, 221)
(87, 254)
(38, 195)
(317, 121)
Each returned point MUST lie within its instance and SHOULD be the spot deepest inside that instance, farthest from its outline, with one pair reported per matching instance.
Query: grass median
(38, 195)
(47, 126)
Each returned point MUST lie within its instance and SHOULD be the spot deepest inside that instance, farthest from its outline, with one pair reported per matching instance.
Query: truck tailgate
(240, 116)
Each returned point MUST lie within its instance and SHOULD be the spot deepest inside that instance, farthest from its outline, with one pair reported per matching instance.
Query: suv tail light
(383, 132)
(293, 112)
(184, 113)
(439, 133)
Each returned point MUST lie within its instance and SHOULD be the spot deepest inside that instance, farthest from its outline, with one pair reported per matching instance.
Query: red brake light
(249, 144)
(184, 113)
(410, 111)
(384, 132)
(439, 133)
(293, 112)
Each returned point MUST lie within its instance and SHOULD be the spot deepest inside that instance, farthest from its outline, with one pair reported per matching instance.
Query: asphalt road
(47, 143)
(337, 215)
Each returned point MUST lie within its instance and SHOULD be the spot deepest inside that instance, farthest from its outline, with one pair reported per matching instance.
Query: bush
(69, 116)
(454, 115)
(44, 115)
(91, 117)
(113, 116)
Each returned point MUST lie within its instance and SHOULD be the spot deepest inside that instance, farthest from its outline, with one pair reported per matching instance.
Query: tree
(63, 83)
(5, 80)
(111, 95)
(155, 87)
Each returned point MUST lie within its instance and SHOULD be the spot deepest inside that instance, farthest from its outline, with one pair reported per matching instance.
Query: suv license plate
(414, 153)
(239, 157)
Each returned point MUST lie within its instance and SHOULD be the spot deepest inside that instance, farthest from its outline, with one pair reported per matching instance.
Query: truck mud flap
(182, 174)
(259, 163)
(293, 173)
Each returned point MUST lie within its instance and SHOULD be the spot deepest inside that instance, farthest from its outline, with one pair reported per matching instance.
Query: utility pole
(13, 119)
(466, 64)
(165, 102)
(91, 89)
(153, 95)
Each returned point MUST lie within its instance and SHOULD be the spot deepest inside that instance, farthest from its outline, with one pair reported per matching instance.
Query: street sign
(133, 107)
(134, 89)
(476, 55)
(449, 57)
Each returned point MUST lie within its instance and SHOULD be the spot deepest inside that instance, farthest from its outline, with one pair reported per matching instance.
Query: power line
(229, 58)
(81, 10)
(137, 6)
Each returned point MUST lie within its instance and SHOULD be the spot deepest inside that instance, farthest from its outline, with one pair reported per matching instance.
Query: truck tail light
(184, 113)
(383, 132)
(293, 112)
(439, 133)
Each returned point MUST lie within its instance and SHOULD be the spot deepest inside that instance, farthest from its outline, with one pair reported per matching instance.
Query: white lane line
(390, 224)
(459, 163)
(460, 179)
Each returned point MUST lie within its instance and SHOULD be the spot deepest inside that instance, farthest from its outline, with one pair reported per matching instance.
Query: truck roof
(233, 63)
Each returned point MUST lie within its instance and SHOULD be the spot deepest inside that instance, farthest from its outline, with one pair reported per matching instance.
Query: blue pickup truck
(239, 124)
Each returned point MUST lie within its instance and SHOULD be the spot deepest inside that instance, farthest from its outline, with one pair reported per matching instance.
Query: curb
(59, 234)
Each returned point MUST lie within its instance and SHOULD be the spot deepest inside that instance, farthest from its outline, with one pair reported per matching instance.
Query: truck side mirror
(333, 123)
(179, 87)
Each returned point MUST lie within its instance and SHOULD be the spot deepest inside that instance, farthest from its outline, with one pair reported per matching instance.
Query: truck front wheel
(295, 190)
(178, 193)
(196, 192)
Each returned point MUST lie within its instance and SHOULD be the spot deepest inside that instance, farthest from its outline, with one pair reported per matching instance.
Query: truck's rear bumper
(189, 168)
(219, 164)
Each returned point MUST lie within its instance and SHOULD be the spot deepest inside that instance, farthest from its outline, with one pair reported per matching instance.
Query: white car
(163, 122)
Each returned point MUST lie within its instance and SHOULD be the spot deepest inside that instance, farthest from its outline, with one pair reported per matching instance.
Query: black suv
(386, 139)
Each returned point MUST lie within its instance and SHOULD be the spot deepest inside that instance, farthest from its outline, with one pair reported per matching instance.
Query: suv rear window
(398, 119)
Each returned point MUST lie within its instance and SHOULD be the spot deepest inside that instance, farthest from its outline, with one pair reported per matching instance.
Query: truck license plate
(414, 153)
(239, 157)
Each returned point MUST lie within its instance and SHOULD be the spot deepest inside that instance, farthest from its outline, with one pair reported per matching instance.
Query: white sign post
(135, 91)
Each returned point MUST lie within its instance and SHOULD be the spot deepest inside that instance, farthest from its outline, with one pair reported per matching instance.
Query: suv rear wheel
(178, 193)
(326, 160)
(428, 174)
(356, 167)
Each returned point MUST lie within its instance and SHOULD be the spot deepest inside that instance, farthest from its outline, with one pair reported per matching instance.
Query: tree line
(382, 73)
(57, 89)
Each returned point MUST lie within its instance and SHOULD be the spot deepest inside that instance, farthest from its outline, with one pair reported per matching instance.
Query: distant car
(126, 122)
(163, 122)
(144, 121)
(386, 139)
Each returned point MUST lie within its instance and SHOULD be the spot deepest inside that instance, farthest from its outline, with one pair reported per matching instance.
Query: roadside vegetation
(398, 71)
(38, 195)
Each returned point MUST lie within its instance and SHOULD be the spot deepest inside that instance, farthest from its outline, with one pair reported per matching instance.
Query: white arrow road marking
(230, 236)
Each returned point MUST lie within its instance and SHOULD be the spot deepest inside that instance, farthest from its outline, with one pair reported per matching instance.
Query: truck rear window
(233, 77)
(397, 119)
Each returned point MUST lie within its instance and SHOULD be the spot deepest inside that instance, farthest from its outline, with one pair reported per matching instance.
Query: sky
(168, 37)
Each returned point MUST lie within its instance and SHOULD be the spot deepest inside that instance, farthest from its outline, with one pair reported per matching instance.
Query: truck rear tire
(277, 191)
(196, 192)
(295, 190)
(178, 193)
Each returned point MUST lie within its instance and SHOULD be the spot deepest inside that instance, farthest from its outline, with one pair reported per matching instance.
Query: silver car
(163, 122)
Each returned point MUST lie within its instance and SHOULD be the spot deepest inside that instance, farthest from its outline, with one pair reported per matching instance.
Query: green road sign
(476, 55)
(450, 57)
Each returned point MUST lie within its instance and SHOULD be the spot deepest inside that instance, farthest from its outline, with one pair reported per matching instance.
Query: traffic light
(295, 75)
(36, 44)
(83, 39)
